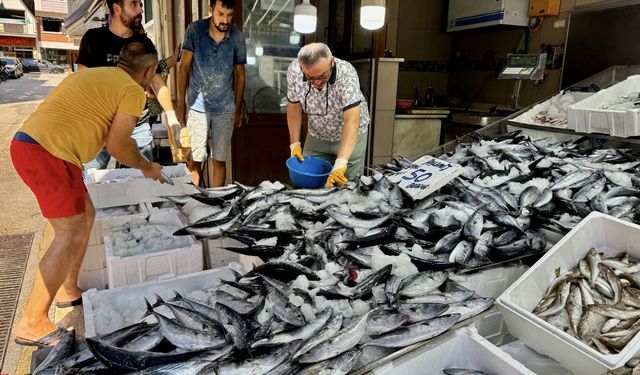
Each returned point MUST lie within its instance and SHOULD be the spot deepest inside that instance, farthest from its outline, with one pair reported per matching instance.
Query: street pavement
(31, 86)
(18, 99)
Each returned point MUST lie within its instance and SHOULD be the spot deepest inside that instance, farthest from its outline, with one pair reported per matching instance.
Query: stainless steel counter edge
(433, 117)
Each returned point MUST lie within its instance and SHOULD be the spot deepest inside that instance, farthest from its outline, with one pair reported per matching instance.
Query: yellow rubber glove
(337, 175)
(296, 150)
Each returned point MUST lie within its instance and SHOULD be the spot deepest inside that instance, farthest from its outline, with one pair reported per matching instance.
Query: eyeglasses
(313, 102)
(324, 77)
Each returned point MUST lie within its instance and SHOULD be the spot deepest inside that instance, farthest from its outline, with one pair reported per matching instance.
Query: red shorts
(57, 184)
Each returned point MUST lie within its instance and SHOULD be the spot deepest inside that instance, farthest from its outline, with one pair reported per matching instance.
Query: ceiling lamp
(259, 50)
(305, 17)
(372, 14)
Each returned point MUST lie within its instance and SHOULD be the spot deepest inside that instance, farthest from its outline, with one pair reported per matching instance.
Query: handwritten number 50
(418, 175)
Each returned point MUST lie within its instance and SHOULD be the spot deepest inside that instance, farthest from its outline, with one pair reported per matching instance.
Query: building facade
(18, 30)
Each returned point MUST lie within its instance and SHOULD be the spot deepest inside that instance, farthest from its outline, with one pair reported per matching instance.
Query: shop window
(148, 10)
(51, 25)
(271, 46)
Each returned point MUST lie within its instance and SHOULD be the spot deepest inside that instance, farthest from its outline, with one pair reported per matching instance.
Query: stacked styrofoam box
(587, 116)
(605, 233)
(216, 255)
(93, 270)
(248, 262)
(108, 310)
(491, 282)
(158, 265)
(464, 348)
(134, 187)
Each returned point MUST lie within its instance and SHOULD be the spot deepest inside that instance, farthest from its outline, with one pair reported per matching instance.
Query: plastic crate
(108, 310)
(603, 232)
(157, 265)
(587, 116)
(464, 348)
(129, 186)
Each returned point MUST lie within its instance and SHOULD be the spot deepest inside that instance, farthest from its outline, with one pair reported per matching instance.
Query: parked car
(13, 66)
(30, 65)
(36, 65)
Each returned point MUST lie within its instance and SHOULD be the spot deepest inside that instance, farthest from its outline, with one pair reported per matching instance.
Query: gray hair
(309, 55)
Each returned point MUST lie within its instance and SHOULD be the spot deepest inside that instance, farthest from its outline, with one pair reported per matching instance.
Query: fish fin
(149, 308)
(159, 301)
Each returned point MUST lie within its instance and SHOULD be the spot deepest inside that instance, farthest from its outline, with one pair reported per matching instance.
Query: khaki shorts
(221, 128)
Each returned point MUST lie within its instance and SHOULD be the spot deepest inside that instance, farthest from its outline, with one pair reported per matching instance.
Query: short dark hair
(229, 4)
(111, 2)
(138, 54)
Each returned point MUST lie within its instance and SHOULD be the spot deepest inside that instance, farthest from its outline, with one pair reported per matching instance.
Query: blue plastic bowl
(311, 173)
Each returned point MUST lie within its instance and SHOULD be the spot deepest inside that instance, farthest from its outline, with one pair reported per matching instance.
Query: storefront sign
(427, 175)
(17, 41)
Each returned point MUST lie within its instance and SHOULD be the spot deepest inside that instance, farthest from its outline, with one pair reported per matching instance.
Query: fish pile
(550, 182)
(624, 103)
(597, 302)
(553, 112)
(258, 325)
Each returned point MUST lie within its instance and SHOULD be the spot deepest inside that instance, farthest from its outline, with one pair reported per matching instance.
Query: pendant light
(259, 50)
(305, 17)
(372, 14)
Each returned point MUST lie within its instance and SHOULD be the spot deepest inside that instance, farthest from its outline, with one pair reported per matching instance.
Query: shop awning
(74, 25)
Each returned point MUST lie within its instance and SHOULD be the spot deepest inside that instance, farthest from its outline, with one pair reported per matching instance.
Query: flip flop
(49, 340)
(75, 302)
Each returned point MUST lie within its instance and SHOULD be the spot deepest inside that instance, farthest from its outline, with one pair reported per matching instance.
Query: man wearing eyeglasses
(327, 90)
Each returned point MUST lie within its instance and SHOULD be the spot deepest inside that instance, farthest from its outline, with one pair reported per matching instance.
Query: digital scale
(523, 67)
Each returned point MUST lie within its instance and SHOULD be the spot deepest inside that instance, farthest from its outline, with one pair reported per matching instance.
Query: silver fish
(339, 343)
(443, 298)
(422, 312)
(470, 308)
(384, 321)
(415, 333)
(574, 307)
(339, 365)
(422, 283)
(302, 333)
(331, 328)
(593, 259)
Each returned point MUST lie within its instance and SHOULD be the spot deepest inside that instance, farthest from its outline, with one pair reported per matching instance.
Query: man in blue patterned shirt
(327, 90)
(211, 86)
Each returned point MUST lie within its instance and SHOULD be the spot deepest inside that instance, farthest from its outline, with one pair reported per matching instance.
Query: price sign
(427, 175)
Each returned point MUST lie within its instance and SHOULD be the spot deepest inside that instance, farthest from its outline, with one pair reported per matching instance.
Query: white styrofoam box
(216, 256)
(94, 258)
(104, 219)
(491, 282)
(129, 186)
(93, 279)
(248, 262)
(605, 233)
(534, 361)
(108, 310)
(157, 265)
(587, 116)
(492, 327)
(464, 348)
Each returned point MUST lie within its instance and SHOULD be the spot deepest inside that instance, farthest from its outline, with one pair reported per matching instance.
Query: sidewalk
(22, 215)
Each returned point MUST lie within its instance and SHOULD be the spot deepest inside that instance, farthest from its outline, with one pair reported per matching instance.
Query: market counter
(416, 132)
